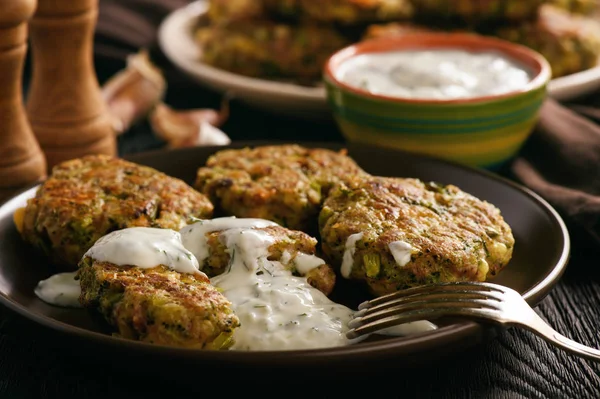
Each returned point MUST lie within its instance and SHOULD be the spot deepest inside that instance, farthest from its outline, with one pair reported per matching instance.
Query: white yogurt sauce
(401, 252)
(277, 310)
(60, 289)
(144, 247)
(194, 235)
(434, 74)
(349, 250)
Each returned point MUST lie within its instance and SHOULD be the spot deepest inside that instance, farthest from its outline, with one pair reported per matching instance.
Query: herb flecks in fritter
(286, 184)
(86, 198)
(158, 305)
(396, 233)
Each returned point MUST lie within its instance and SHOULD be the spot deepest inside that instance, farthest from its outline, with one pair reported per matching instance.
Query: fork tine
(415, 315)
(432, 288)
(437, 303)
(428, 296)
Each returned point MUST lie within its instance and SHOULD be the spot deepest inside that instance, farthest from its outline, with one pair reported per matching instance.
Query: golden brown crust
(285, 183)
(452, 234)
(86, 198)
(158, 305)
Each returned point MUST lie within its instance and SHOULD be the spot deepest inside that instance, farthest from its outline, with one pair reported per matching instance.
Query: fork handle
(538, 326)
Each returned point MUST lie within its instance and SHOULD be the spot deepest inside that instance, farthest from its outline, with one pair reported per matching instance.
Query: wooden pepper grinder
(21, 160)
(66, 109)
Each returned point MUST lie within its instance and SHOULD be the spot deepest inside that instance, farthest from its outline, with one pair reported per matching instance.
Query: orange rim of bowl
(471, 42)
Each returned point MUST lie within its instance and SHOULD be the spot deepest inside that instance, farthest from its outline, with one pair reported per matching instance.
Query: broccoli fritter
(395, 233)
(266, 49)
(351, 12)
(570, 43)
(289, 246)
(86, 198)
(480, 10)
(341, 12)
(158, 305)
(283, 183)
(395, 29)
(585, 7)
(239, 10)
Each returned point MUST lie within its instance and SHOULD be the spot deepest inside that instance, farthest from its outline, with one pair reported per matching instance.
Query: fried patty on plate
(283, 183)
(158, 305)
(86, 198)
(395, 233)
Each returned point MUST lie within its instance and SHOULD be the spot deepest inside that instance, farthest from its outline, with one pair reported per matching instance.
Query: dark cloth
(560, 161)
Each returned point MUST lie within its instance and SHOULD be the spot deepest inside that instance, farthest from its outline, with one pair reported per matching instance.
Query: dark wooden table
(515, 364)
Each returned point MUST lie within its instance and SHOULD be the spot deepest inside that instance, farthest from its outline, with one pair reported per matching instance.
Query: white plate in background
(176, 40)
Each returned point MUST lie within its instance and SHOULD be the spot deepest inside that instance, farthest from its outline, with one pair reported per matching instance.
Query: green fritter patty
(395, 233)
(570, 43)
(585, 7)
(158, 305)
(342, 12)
(395, 29)
(283, 183)
(266, 49)
(289, 245)
(351, 12)
(239, 10)
(86, 198)
(480, 10)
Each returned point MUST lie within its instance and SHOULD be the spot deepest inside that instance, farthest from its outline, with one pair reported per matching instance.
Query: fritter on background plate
(585, 7)
(342, 12)
(265, 49)
(396, 233)
(479, 10)
(239, 10)
(86, 198)
(283, 183)
(570, 42)
(352, 12)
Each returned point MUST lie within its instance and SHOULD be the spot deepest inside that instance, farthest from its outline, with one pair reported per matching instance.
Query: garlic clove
(189, 127)
(132, 93)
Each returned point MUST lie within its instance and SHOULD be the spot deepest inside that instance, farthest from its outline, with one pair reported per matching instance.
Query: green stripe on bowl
(509, 114)
(389, 109)
(482, 150)
(399, 125)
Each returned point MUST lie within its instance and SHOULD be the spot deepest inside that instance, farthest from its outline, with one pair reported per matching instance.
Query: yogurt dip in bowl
(464, 97)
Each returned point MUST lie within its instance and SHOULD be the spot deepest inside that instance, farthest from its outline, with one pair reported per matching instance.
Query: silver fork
(484, 301)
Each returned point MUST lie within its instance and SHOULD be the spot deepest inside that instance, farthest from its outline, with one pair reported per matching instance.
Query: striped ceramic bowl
(482, 132)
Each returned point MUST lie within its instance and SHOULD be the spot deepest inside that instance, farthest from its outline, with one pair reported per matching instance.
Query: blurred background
(566, 32)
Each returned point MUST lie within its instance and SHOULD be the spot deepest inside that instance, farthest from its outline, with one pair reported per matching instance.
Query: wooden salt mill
(65, 106)
(21, 160)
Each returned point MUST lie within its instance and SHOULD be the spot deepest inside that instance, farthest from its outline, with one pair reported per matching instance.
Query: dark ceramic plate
(540, 257)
